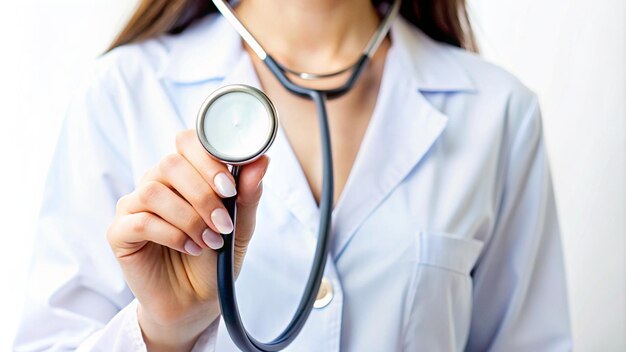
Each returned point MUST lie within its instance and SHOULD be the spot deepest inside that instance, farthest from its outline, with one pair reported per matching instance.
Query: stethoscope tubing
(225, 255)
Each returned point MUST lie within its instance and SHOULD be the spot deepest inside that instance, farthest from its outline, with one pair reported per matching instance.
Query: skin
(156, 234)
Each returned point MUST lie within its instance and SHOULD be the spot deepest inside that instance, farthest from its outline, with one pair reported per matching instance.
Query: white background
(572, 53)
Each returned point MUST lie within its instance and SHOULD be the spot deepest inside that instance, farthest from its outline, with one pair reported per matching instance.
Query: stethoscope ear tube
(225, 257)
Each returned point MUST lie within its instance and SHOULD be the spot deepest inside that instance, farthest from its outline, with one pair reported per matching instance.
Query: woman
(445, 235)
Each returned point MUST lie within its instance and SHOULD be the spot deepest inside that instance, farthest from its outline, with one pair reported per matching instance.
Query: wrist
(173, 336)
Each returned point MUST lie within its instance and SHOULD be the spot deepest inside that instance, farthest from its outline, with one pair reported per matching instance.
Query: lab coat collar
(209, 48)
(429, 63)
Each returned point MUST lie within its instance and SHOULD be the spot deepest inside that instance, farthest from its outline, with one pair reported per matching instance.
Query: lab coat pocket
(448, 252)
(439, 315)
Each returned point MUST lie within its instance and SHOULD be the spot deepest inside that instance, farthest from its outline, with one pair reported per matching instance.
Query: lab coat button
(324, 295)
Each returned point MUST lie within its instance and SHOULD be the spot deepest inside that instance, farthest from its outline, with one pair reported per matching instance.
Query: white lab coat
(445, 238)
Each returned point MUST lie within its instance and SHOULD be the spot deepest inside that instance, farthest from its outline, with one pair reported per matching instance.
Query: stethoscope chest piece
(237, 123)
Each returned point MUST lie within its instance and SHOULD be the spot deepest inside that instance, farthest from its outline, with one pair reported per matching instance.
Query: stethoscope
(236, 125)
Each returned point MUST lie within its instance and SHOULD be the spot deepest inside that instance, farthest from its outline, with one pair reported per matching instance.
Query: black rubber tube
(225, 255)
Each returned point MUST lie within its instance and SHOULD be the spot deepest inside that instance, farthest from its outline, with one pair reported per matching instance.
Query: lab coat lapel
(403, 128)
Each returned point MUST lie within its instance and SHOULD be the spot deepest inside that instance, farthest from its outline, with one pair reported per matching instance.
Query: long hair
(442, 20)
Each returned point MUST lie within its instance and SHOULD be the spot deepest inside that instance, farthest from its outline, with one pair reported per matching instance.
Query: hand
(164, 233)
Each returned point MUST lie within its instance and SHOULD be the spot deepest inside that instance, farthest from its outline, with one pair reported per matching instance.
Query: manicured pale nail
(224, 185)
(222, 221)
(212, 239)
(192, 248)
(264, 172)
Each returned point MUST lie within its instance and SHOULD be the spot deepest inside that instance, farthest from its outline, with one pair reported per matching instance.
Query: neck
(311, 35)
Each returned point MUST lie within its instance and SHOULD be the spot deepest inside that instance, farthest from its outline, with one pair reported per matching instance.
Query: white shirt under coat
(445, 238)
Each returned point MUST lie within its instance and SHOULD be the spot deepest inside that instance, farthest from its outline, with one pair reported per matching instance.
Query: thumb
(249, 190)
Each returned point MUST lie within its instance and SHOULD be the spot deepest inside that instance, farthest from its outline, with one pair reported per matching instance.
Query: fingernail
(222, 221)
(224, 185)
(192, 248)
(264, 172)
(212, 239)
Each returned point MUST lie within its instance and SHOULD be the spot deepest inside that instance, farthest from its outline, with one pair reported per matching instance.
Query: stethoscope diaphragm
(237, 123)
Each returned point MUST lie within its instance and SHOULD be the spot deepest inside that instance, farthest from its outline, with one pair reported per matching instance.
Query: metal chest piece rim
(262, 98)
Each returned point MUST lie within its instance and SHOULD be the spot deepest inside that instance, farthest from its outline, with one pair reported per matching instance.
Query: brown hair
(443, 20)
